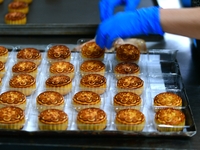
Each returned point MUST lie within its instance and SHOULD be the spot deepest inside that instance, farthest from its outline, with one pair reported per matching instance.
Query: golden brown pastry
(29, 54)
(2, 69)
(126, 69)
(50, 100)
(53, 119)
(127, 52)
(1, 1)
(124, 100)
(93, 82)
(3, 54)
(130, 83)
(92, 51)
(13, 98)
(59, 83)
(169, 120)
(91, 119)
(25, 67)
(167, 99)
(130, 120)
(58, 53)
(26, 1)
(62, 67)
(11, 118)
(18, 6)
(15, 18)
(92, 66)
(84, 99)
(24, 83)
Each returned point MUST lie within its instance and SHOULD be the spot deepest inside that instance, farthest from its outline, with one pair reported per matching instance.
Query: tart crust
(2, 69)
(130, 120)
(130, 83)
(93, 82)
(18, 6)
(13, 98)
(91, 119)
(53, 119)
(15, 18)
(3, 54)
(169, 120)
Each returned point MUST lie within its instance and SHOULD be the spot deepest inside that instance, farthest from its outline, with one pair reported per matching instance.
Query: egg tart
(59, 83)
(169, 120)
(127, 52)
(13, 98)
(58, 53)
(62, 67)
(50, 100)
(3, 54)
(124, 100)
(53, 119)
(12, 118)
(92, 51)
(130, 120)
(126, 69)
(91, 119)
(2, 69)
(25, 67)
(93, 82)
(15, 18)
(18, 6)
(24, 83)
(131, 84)
(84, 99)
(29, 54)
(92, 66)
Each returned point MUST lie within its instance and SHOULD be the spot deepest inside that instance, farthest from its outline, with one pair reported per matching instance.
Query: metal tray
(167, 76)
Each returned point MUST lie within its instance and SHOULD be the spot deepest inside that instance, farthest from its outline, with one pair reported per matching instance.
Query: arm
(184, 22)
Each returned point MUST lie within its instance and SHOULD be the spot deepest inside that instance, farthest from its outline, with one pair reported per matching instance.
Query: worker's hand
(186, 3)
(129, 24)
(106, 7)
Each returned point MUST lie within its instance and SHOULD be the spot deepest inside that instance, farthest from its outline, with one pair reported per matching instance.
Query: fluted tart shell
(18, 6)
(15, 18)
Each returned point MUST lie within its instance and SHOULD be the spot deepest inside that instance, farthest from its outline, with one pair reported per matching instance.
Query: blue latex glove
(106, 7)
(128, 24)
(186, 3)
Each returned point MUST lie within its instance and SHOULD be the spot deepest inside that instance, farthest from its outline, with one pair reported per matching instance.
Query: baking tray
(61, 17)
(167, 77)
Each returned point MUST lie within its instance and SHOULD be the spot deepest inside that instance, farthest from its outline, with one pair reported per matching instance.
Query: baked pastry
(53, 119)
(50, 100)
(85, 99)
(25, 67)
(167, 99)
(92, 66)
(62, 67)
(169, 120)
(130, 83)
(3, 54)
(12, 118)
(130, 120)
(127, 52)
(26, 1)
(2, 69)
(29, 54)
(124, 100)
(92, 51)
(93, 82)
(59, 53)
(18, 6)
(1, 1)
(24, 83)
(91, 119)
(13, 98)
(15, 18)
(126, 69)
(59, 83)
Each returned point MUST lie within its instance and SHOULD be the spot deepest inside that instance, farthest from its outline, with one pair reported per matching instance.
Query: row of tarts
(48, 84)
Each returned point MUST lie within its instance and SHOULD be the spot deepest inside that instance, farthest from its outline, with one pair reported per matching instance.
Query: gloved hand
(128, 24)
(186, 3)
(106, 7)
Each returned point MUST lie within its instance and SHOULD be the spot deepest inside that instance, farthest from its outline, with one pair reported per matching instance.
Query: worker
(144, 21)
